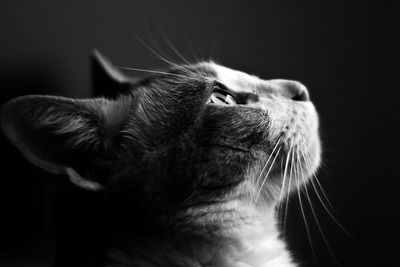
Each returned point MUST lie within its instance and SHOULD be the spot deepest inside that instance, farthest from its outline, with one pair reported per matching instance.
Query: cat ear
(60, 135)
(108, 80)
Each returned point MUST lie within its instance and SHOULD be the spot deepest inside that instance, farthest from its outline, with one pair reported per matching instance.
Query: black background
(343, 51)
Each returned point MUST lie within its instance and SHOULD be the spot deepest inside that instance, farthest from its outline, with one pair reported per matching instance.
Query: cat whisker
(331, 215)
(284, 175)
(285, 172)
(316, 178)
(266, 176)
(270, 156)
(325, 207)
(153, 71)
(302, 209)
(323, 165)
(315, 215)
(322, 190)
(287, 195)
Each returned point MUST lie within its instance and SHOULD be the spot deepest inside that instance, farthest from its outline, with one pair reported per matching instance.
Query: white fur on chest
(258, 246)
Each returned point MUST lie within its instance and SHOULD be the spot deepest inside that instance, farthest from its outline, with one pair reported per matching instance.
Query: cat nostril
(301, 96)
(293, 90)
(296, 91)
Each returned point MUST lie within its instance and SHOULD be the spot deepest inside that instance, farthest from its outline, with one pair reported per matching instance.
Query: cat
(189, 164)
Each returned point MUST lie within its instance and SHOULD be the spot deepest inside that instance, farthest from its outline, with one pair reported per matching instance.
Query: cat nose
(292, 89)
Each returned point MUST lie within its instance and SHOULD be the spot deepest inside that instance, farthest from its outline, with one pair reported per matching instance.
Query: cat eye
(221, 97)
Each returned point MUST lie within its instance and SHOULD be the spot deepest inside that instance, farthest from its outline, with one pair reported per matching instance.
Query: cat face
(198, 138)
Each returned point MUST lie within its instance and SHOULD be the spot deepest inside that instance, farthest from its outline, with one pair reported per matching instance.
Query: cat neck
(253, 244)
(257, 244)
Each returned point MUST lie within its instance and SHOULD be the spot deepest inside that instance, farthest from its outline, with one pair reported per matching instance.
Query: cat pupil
(222, 99)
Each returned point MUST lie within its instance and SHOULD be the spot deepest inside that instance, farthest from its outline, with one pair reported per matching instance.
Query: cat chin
(296, 166)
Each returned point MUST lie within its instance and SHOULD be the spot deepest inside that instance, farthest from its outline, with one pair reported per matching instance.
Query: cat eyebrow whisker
(193, 52)
(153, 71)
(175, 50)
(163, 58)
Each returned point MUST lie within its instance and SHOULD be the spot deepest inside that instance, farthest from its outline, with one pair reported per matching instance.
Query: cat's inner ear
(61, 135)
(107, 80)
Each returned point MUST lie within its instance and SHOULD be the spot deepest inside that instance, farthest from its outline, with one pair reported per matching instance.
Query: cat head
(194, 139)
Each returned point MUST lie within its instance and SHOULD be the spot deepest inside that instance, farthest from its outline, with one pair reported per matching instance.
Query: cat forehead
(233, 79)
